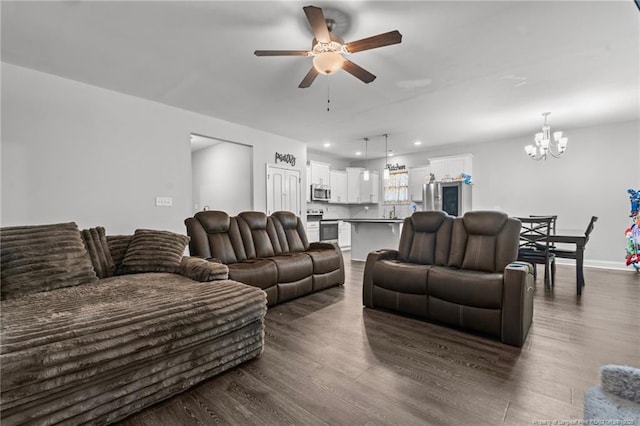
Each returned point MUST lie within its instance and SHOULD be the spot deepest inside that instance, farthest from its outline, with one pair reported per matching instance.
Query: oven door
(329, 231)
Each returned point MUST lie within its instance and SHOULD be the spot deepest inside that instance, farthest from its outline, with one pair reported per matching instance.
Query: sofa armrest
(517, 303)
(367, 282)
(199, 269)
(323, 246)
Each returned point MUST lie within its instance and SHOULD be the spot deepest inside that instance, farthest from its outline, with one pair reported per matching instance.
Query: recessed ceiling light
(358, 153)
(416, 143)
(391, 154)
(327, 144)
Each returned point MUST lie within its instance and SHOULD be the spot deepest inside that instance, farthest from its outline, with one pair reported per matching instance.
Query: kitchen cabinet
(353, 184)
(344, 234)
(313, 231)
(338, 185)
(370, 189)
(417, 176)
(360, 191)
(451, 167)
(308, 184)
(319, 173)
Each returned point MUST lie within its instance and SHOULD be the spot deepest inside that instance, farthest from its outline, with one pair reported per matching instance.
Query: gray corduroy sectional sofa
(95, 328)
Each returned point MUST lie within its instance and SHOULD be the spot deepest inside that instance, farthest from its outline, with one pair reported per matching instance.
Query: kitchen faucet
(392, 213)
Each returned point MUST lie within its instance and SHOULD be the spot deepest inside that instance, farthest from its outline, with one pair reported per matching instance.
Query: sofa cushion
(257, 236)
(484, 241)
(92, 354)
(293, 267)
(261, 273)
(154, 251)
(401, 276)
(95, 241)
(425, 238)
(480, 253)
(324, 260)
(43, 257)
(469, 288)
(290, 231)
(118, 245)
(215, 235)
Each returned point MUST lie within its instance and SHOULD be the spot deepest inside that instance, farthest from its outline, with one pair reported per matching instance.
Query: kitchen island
(372, 234)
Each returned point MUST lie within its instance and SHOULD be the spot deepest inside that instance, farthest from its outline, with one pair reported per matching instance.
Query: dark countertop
(373, 220)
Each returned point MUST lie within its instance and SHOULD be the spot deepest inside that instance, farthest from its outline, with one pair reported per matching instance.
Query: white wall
(76, 152)
(223, 178)
(591, 179)
(323, 157)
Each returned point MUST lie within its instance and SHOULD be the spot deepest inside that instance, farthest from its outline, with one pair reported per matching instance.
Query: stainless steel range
(319, 229)
(314, 216)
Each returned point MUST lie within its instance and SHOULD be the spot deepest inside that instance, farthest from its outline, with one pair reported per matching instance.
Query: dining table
(580, 241)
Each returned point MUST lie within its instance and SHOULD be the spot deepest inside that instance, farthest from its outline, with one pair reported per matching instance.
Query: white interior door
(293, 190)
(283, 190)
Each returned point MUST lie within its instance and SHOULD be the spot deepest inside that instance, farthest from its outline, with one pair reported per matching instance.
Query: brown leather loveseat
(456, 271)
(268, 252)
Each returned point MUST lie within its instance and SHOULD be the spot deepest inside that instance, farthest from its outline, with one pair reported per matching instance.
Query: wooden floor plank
(328, 360)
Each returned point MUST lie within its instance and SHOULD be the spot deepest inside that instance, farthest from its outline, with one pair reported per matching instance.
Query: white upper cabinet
(370, 189)
(320, 173)
(451, 167)
(338, 184)
(417, 176)
(353, 184)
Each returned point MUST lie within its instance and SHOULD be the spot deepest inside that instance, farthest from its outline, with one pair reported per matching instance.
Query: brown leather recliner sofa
(269, 252)
(456, 271)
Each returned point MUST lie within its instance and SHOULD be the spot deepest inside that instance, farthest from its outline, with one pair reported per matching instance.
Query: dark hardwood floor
(327, 360)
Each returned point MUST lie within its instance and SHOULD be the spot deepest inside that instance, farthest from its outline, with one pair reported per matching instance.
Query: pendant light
(365, 174)
(385, 172)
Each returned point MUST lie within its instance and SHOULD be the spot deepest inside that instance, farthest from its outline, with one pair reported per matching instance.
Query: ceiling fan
(327, 49)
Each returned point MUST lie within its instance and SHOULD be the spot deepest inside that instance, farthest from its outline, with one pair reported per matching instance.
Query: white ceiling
(464, 72)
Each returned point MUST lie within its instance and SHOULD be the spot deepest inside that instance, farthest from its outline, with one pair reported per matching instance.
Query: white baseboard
(603, 264)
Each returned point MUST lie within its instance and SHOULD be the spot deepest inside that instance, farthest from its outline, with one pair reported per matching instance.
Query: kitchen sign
(393, 168)
(286, 158)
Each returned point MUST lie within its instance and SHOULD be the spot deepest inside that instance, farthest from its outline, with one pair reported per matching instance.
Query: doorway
(283, 190)
(222, 175)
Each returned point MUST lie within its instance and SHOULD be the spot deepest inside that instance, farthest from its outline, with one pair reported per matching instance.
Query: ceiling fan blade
(281, 53)
(315, 16)
(380, 40)
(358, 72)
(308, 79)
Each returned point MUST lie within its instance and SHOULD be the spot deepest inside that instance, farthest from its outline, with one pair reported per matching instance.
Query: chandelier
(545, 145)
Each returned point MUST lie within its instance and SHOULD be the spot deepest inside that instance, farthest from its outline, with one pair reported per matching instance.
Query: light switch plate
(164, 201)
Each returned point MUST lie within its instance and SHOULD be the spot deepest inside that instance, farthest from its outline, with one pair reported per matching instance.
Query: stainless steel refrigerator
(452, 197)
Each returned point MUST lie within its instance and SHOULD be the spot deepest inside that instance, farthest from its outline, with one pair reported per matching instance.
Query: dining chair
(553, 223)
(535, 246)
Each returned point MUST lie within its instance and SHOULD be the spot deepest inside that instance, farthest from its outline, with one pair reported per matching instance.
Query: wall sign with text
(286, 158)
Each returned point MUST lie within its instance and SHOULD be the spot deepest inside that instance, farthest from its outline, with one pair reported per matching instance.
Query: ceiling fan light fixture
(328, 62)
(328, 49)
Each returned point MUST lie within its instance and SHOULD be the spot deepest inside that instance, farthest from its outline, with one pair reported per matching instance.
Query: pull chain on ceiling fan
(328, 49)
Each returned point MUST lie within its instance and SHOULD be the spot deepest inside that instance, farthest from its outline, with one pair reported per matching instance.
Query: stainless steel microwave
(320, 192)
